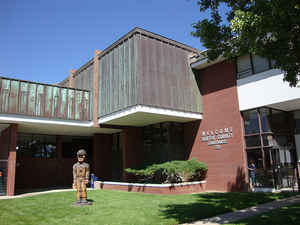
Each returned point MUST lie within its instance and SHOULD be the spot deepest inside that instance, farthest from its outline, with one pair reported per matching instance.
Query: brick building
(148, 99)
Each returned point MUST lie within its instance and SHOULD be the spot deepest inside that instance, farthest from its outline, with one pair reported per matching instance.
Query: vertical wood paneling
(62, 112)
(116, 77)
(174, 86)
(55, 101)
(144, 70)
(71, 104)
(13, 96)
(118, 84)
(23, 98)
(5, 87)
(32, 96)
(42, 100)
(48, 100)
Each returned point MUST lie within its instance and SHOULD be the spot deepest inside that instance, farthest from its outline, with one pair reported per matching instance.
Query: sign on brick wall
(217, 137)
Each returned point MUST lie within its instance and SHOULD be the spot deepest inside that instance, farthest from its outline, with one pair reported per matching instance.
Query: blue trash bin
(92, 180)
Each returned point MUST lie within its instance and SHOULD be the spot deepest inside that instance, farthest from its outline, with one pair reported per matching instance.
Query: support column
(102, 156)
(132, 149)
(96, 88)
(12, 156)
(71, 75)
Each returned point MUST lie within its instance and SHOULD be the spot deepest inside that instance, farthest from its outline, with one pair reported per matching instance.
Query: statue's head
(81, 155)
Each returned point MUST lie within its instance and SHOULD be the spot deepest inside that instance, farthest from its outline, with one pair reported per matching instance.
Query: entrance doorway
(270, 144)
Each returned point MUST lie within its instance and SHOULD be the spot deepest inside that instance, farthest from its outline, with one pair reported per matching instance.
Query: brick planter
(181, 188)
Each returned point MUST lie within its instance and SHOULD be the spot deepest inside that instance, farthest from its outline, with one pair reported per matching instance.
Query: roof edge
(143, 32)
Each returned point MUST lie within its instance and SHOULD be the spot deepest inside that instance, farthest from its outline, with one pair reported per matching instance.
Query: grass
(282, 216)
(117, 207)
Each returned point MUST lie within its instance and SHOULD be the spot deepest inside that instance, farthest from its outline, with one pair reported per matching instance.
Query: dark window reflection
(253, 141)
(36, 146)
(265, 120)
(297, 126)
(268, 140)
(251, 122)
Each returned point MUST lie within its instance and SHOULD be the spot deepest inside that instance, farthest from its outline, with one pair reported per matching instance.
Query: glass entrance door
(270, 146)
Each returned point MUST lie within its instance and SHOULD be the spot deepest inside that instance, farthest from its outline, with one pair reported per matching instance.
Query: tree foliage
(269, 28)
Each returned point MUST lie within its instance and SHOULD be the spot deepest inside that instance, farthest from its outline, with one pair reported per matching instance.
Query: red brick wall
(102, 156)
(41, 173)
(179, 189)
(226, 166)
(132, 149)
(4, 144)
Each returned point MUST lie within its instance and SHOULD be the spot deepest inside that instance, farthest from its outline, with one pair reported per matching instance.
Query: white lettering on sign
(217, 136)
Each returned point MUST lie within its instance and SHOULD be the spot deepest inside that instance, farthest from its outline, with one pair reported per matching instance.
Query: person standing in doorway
(252, 174)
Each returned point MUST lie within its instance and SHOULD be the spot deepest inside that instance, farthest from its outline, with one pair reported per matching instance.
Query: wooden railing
(43, 100)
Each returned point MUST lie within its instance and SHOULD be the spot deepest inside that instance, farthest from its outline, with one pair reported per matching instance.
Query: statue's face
(81, 158)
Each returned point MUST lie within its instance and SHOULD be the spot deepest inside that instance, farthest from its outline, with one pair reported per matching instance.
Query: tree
(268, 28)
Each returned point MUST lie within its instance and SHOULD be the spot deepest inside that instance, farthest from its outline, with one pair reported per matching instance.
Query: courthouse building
(149, 99)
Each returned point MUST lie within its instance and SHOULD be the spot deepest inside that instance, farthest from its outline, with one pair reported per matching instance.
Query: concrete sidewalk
(34, 193)
(245, 213)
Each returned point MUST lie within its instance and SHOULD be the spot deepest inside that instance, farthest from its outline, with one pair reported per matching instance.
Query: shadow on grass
(212, 204)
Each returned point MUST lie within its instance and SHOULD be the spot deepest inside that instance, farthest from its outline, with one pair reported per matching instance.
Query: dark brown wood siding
(143, 70)
(118, 82)
(166, 77)
(84, 79)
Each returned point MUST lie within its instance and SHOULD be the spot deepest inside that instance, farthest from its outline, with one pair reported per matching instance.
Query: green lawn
(117, 207)
(283, 216)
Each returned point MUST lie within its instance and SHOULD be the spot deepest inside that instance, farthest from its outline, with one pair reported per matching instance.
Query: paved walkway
(245, 213)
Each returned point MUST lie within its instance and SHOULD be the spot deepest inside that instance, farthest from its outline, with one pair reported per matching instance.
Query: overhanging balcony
(32, 99)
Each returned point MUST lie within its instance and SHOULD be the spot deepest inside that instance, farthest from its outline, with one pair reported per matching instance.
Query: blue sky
(41, 40)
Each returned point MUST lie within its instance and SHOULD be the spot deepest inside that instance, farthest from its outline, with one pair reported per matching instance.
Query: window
(265, 119)
(163, 142)
(251, 64)
(253, 141)
(297, 126)
(36, 146)
(251, 122)
(260, 64)
(244, 67)
(71, 144)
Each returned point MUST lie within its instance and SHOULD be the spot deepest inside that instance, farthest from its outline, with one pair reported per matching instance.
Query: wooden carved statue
(81, 173)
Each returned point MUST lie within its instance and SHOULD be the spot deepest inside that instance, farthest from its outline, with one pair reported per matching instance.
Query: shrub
(170, 172)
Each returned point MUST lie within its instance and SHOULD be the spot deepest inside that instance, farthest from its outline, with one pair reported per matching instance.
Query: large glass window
(71, 144)
(251, 64)
(251, 122)
(297, 131)
(244, 67)
(36, 146)
(260, 64)
(253, 141)
(275, 156)
(280, 122)
(265, 119)
(163, 142)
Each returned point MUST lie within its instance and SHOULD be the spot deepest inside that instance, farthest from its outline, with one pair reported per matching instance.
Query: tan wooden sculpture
(81, 173)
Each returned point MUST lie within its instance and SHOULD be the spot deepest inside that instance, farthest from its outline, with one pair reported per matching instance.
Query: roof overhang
(36, 125)
(204, 62)
(141, 115)
(291, 105)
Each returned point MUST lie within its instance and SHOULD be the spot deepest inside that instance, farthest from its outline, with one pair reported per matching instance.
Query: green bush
(170, 172)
